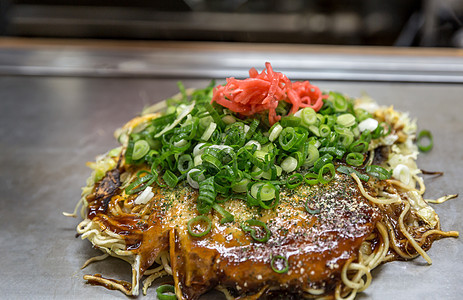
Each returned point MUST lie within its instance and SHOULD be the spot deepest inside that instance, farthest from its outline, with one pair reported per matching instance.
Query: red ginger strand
(263, 91)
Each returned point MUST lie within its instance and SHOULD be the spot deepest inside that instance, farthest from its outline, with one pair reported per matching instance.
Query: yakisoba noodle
(380, 221)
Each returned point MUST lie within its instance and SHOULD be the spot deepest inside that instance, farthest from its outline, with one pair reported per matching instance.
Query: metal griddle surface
(51, 126)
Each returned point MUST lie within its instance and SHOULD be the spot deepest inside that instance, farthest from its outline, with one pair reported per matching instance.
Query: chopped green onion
(378, 172)
(313, 140)
(359, 146)
(140, 184)
(215, 115)
(309, 116)
(234, 135)
(241, 186)
(346, 120)
(199, 149)
(197, 160)
(299, 157)
(338, 152)
(211, 162)
(330, 120)
(290, 121)
(170, 178)
(261, 193)
(311, 178)
(186, 110)
(309, 209)
(380, 131)
(326, 168)
(354, 159)
(194, 228)
(275, 131)
(314, 129)
(256, 223)
(346, 138)
(252, 128)
(129, 151)
(279, 267)
(362, 115)
(228, 119)
(366, 136)
(166, 292)
(312, 156)
(184, 163)
(324, 130)
(164, 120)
(325, 159)
(289, 164)
(207, 195)
(424, 135)
(272, 173)
(253, 142)
(287, 138)
(339, 103)
(227, 217)
(180, 143)
(348, 170)
(266, 192)
(294, 180)
(205, 121)
(256, 173)
(209, 131)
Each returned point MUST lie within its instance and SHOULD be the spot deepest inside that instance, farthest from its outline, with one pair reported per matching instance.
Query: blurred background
(404, 23)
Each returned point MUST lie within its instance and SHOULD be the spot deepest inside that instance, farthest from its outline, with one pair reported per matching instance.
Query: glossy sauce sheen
(316, 246)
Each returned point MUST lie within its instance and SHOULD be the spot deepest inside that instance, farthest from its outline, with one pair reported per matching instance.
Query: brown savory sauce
(316, 246)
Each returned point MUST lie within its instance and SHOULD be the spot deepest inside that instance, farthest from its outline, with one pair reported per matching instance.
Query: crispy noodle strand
(95, 258)
(409, 236)
(148, 281)
(371, 198)
(441, 199)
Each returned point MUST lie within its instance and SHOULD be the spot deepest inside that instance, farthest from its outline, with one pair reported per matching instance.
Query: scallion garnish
(325, 159)
(289, 164)
(199, 226)
(140, 184)
(184, 163)
(309, 209)
(294, 180)
(338, 101)
(275, 131)
(346, 120)
(279, 264)
(378, 172)
(348, 170)
(263, 194)
(140, 149)
(166, 292)
(359, 146)
(288, 138)
(424, 141)
(325, 169)
(248, 227)
(311, 178)
(170, 178)
(309, 116)
(227, 217)
(354, 159)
